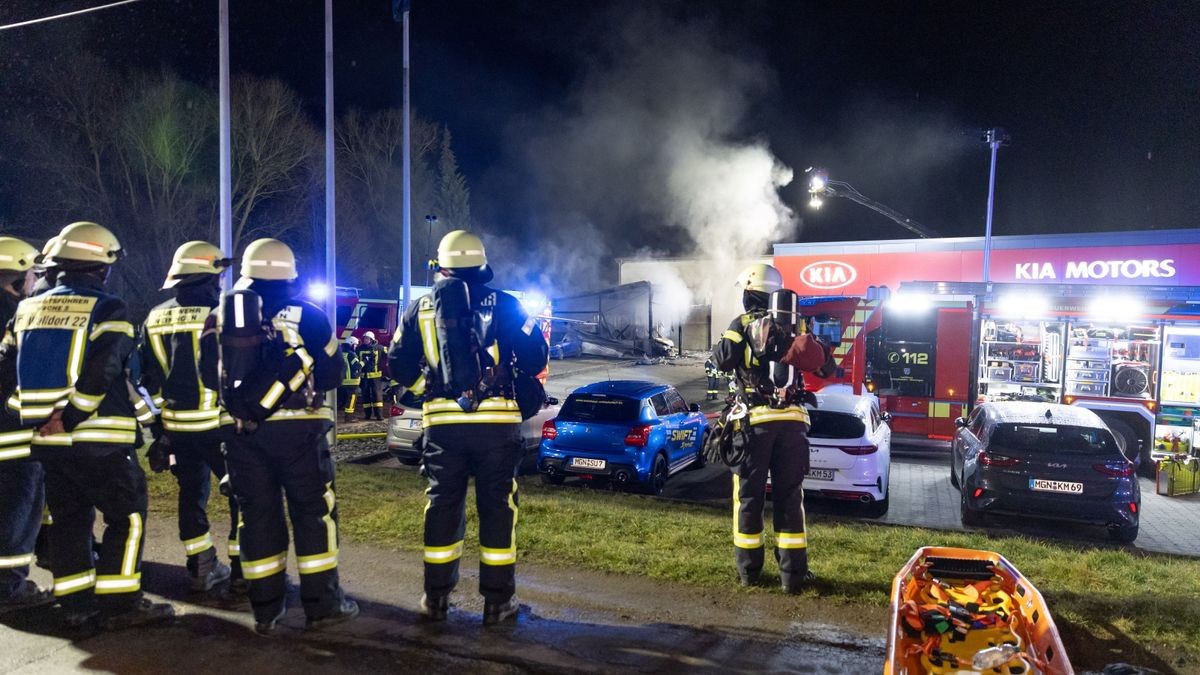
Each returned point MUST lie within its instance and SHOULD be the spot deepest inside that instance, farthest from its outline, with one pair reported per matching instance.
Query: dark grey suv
(1045, 460)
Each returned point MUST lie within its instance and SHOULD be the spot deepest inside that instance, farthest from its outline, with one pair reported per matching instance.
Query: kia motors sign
(828, 274)
(832, 273)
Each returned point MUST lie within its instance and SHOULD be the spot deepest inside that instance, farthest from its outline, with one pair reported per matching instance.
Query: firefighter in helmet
(279, 448)
(714, 380)
(777, 443)
(22, 495)
(69, 347)
(472, 424)
(191, 427)
(351, 378)
(372, 357)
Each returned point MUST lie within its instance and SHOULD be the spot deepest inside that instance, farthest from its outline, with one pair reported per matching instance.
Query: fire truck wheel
(1146, 468)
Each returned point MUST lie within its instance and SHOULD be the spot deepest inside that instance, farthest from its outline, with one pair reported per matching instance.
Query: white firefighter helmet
(760, 277)
(369, 335)
(461, 250)
(85, 242)
(352, 341)
(194, 257)
(269, 260)
(16, 255)
(43, 259)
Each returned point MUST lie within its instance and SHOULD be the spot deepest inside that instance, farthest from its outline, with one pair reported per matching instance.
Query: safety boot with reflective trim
(496, 612)
(142, 612)
(28, 595)
(435, 609)
(80, 617)
(348, 610)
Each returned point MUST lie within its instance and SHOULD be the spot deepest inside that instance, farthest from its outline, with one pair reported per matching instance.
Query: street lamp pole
(226, 188)
(430, 219)
(995, 137)
(406, 245)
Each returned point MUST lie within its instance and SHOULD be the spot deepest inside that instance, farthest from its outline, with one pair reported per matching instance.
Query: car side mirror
(550, 400)
(960, 422)
(886, 417)
(695, 407)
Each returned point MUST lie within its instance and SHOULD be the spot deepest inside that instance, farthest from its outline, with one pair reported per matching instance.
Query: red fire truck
(1108, 321)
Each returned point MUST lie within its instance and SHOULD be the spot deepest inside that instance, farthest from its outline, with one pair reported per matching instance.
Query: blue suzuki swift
(628, 431)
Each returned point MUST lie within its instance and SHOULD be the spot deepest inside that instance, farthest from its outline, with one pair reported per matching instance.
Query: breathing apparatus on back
(469, 373)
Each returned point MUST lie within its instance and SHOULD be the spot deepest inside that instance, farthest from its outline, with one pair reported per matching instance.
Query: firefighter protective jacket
(68, 348)
(351, 367)
(733, 353)
(371, 357)
(300, 362)
(172, 343)
(414, 360)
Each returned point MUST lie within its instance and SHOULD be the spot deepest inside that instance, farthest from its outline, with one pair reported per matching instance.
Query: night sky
(1101, 99)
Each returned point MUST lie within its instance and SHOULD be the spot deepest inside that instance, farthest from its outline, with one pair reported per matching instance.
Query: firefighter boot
(27, 595)
(496, 612)
(206, 570)
(435, 609)
(346, 611)
(795, 586)
(141, 612)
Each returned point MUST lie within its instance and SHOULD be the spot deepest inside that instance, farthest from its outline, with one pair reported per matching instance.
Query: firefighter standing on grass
(280, 446)
(469, 432)
(22, 494)
(189, 435)
(351, 377)
(69, 347)
(777, 443)
(372, 356)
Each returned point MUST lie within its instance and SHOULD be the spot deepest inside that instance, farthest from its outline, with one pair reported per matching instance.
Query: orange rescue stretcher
(957, 610)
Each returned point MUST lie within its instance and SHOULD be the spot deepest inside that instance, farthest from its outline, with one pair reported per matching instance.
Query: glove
(159, 455)
(777, 343)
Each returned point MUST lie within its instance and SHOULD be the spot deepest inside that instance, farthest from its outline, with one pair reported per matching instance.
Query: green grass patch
(1105, 600)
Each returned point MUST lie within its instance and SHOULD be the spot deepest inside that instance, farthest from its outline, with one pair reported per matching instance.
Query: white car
(404, 428)
(850, 449)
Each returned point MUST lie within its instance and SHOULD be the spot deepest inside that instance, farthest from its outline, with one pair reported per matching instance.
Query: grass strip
(1110, 604)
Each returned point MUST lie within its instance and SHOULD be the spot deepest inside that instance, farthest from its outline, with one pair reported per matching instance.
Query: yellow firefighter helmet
(760, 277)
(16, 255)
(461, 250)
(194, 257)
(85, 242)
(269, 259)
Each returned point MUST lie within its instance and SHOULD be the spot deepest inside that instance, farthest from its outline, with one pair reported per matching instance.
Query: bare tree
(275, 148)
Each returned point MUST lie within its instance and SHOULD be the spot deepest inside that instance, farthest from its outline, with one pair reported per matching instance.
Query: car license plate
(820, 474)
(415, 424)
(1043, 485)
(586, 463)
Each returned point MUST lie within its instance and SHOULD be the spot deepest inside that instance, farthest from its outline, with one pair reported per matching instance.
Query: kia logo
(828, 274)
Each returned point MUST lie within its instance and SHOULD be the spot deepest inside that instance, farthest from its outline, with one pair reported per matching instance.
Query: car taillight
(978, 492)
(549, 431)
(396, 411)
(1120, 469)
(858, 449)
(997, 460)
(638, 437)
(1133, 507)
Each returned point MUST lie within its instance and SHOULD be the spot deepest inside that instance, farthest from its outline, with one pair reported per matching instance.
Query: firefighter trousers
(454, 453)
(22, 497)
(347, 399)
(714, 388)
(372, 397)
(287, 458)
(198, 458)
(780, 448)
(78, 483)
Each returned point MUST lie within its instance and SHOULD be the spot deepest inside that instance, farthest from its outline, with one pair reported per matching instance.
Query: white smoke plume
(651, 153)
